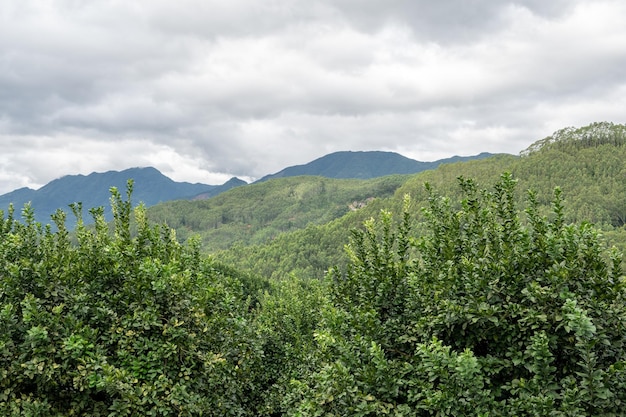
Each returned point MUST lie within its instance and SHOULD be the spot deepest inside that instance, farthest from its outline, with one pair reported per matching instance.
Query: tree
(119, 324)
(482, 313)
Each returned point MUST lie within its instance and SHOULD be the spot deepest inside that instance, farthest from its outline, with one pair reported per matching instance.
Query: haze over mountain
(364, 165)
(586, 163)
(150, 187)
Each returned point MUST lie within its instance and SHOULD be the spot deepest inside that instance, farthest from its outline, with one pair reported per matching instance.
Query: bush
(483, 313)
(118, 325)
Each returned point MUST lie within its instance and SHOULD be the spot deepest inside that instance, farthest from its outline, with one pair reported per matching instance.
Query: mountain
(150, 187)
(218, 189)
(364, 165)
(586, 164)
(261, 211)
(593, 135)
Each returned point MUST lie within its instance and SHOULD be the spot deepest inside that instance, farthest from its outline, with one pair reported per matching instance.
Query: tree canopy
(480, 306)
(118, 325)
(481, 314)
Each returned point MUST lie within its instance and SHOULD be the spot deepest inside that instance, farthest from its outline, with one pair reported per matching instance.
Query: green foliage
(571, 138)
(485, 302)
(258, 213)
(119, 325)
(482, 313)
(592, 178)
(290, 313)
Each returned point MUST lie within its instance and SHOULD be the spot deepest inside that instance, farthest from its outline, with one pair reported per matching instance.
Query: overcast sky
(208, 89)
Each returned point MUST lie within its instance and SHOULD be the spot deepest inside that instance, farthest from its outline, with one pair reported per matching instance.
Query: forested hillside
(590, 173)
(456, 292)
(260, 212)
(473, 310)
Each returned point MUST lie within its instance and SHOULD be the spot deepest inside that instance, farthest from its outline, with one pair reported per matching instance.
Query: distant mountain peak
(231, 183)
(150, 187)
(363, 165)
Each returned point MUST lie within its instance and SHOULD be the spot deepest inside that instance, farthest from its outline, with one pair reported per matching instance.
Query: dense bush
(118, 326)
(475, 310)
(482, 314)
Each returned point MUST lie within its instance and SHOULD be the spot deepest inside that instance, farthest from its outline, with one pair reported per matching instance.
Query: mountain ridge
(152, 187)
(93, 190)
(364, 165)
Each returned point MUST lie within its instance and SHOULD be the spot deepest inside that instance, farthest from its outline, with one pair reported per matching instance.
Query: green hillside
(590, 172)
(364, 165)
(474, 305)
(258, 213)
(588, 164)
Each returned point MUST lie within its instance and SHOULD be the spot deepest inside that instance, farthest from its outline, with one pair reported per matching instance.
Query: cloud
(210, 89)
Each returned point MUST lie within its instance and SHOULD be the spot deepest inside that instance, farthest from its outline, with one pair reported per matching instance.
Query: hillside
(590, 173)
(364, 165)
(459, 300)
(150, 187)
(296, 197)
(464, 311)
(598, 133)
(262, 211)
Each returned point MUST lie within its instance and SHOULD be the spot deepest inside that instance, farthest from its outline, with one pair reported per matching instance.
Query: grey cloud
(246, 87)
(444, 21)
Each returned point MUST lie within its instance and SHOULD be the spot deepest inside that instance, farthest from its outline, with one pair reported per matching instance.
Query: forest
(254, 228)
(483, 288)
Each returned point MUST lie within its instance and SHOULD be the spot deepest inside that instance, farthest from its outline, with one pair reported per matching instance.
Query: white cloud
(203, 90)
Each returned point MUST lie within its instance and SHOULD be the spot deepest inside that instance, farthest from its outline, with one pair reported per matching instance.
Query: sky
(204, 90)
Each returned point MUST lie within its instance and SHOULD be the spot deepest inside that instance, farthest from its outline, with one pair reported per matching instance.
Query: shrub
(482, 313)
